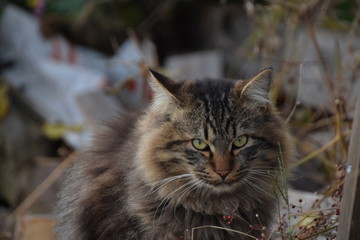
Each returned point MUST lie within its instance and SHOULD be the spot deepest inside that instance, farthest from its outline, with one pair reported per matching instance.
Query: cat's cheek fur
(152, 160)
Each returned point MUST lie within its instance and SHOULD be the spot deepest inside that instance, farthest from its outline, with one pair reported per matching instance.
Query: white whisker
(255, 183)
(165, 181)
(168, 198)
(185, 193)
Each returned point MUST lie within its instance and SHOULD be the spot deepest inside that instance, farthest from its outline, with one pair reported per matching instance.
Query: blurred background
(68, 65)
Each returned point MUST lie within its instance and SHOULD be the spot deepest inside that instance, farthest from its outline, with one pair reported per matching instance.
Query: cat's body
(204, 156)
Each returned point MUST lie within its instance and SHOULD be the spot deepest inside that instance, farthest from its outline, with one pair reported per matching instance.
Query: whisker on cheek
(165, 201)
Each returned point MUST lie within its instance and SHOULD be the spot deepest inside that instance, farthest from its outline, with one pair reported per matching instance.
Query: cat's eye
(200, 145)
(240, 141)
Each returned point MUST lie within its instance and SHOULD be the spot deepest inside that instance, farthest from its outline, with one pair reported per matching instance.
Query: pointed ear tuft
(258, 87)
(164, 88)
(159, 78)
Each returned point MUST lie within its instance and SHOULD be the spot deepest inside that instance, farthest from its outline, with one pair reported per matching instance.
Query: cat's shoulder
(108, 144)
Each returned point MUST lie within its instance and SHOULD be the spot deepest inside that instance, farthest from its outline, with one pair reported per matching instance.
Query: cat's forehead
(211, 89)
(215, 107)
(214, 97)
(211, 93)
(212, 109)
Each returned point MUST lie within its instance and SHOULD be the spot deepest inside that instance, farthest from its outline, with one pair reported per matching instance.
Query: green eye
(240, 141)
(200, 145)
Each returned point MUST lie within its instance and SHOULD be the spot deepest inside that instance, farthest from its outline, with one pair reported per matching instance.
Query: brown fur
(143, 178)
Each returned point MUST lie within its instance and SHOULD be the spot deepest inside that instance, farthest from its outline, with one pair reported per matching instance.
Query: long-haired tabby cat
(200, 163)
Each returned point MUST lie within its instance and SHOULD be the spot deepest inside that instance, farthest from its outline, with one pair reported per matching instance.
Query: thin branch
(355, 24)
(339, 127)
(297, 102)
(41, 189)
(312, 35)
(321, 232)
(320, 150)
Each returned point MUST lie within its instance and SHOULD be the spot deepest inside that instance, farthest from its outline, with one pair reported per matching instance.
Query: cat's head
(212, 136)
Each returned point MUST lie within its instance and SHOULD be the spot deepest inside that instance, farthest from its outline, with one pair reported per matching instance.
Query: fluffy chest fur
(201, 163)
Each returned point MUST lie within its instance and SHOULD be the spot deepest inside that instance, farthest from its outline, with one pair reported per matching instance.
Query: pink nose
(223, 173)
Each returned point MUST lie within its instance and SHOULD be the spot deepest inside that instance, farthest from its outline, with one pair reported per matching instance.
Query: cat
(201, 162)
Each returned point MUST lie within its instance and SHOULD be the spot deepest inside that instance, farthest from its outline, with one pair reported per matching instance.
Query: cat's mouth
(220, 182)
(223, 186)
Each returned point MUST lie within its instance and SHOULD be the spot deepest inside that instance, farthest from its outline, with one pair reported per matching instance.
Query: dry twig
(41, 189)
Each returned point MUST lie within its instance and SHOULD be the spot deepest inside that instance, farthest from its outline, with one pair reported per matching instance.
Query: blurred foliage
(271, 19)
(66, 7)
(346, 10)
(131, 13)
(4, 101)
(57, 131)
(102, 24)
(99, 24)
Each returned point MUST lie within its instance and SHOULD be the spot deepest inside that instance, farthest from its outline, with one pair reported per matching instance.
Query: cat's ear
(164, 88)
(256, 88)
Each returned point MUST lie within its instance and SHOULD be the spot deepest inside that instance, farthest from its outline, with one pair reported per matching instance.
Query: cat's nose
(223, 173)
(223, 165)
